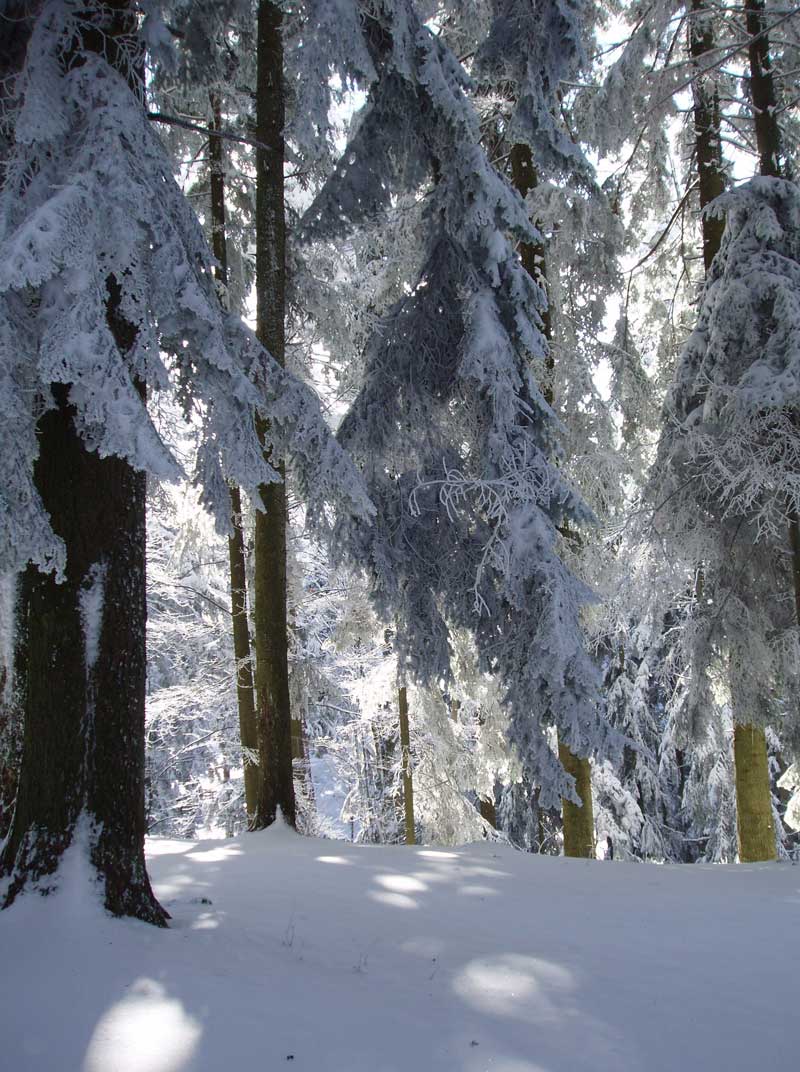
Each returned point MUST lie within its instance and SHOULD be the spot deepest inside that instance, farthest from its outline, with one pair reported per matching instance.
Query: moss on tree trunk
(578, 821)
(753, 797)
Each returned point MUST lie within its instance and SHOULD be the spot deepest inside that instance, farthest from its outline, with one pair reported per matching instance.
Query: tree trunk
(753, 794)
(408, 786)
(525, 178)
(83, 745)
(236, 557)
(82, 771)
(578, 819)
(753, 798)
(762, 90)
(488, 811)
(708, 144)
(276, 789)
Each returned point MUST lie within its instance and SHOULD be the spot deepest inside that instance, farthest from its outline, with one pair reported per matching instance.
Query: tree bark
(245, 696)
(753, 798)
(575, 819)
(84, 695)
(408, 785)
(708, 144)
(276, 788)
(753, 793)
(762, 90)
(578, 819)
(488, 811)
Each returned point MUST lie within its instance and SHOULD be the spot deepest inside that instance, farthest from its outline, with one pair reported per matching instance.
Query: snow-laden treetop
(90, 211)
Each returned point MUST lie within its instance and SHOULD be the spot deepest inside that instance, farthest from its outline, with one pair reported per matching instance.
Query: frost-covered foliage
(726, 485)
(450, 428)
(531, 50)
(194, 764)
(632, 807)
(89, 212)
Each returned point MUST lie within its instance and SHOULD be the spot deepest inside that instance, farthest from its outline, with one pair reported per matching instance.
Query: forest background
(544, 584)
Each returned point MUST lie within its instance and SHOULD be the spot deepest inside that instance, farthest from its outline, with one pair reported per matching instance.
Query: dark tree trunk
(83, 745)
(245, 696)
(708, 146)
(276, 788)
(84, 692)
(576, 819)
(405, 761)
(488, 811)
(762, 90)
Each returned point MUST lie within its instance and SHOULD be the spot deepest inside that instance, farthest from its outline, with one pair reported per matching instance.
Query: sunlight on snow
(396, 889)
(168, 847)
(394, 900)
(515, 986)
(215, 855)
(147, 1031)
(401, 883)
(332, 860)
(438, 854)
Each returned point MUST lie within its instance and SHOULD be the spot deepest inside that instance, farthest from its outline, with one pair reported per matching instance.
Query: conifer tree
(729, 451)
(452, 430)
(106, 289)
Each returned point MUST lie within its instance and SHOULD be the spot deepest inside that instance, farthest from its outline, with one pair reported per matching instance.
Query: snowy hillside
(321, 956)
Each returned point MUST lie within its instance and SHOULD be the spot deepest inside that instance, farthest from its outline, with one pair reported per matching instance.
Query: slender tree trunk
(236, 557)
(575, 819)
(753, 794)
(84, 695)
(708, 144)
(276, 789)
(408, 786)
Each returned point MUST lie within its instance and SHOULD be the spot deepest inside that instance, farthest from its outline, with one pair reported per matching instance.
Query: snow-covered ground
(286, 952)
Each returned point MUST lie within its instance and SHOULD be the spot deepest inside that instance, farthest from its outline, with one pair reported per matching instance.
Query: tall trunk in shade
(707, 140)
(755, 823)
(276, 788)
(405, 748)
(576, 819)
(82, 775)
(236, 557)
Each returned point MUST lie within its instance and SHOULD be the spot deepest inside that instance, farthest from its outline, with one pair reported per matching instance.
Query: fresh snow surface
(295, 953)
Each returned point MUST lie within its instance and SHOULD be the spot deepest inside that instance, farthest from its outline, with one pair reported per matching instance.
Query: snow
(321, 955)
(91, 605)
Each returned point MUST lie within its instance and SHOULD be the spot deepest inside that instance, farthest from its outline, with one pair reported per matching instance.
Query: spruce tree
(450, 426)
(106, 291)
